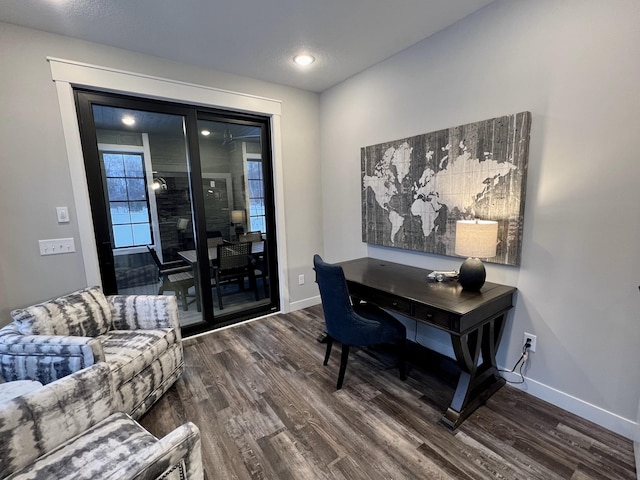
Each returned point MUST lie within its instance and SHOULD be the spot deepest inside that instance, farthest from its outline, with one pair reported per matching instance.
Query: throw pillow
(84, 313)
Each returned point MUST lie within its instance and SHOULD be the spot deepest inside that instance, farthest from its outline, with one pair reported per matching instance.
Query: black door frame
(85, 99)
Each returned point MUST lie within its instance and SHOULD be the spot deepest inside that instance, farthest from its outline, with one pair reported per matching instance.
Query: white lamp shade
(476, 238)
(237, 216)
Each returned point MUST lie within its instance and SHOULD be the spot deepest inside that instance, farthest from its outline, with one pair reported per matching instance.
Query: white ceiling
(253, 38)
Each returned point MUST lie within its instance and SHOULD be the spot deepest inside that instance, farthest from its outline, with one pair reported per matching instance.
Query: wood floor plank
(268, 409)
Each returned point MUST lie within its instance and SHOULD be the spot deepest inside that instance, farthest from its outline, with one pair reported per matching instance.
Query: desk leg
(477, 382)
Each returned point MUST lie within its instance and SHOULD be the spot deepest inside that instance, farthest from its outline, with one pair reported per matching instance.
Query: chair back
(234, 256)
(154, 255)
(336, 304)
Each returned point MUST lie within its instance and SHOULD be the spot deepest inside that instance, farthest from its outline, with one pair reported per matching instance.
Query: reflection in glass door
(129, 203)
(180, 212)
(237, 234)
(143, 161)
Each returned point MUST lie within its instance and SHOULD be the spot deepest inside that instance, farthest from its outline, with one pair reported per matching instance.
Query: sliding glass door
(182, 202)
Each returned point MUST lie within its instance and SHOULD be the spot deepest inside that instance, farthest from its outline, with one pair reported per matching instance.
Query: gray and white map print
(415, 189)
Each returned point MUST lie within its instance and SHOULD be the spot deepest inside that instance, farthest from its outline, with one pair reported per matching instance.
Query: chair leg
(183, 294)
(343, 365)
(402, 359)
(219, 291)
(253, 284)
(185, 302)
(329, 342)
(196, 291)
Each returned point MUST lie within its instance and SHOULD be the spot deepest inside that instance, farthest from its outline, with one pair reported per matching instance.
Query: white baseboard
(593, 413)
(307, 302)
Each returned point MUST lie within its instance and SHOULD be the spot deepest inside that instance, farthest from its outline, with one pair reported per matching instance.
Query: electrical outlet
(300, 279)
(532, 338)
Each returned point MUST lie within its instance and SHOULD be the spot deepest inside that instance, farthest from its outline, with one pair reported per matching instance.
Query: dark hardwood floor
(268, 409)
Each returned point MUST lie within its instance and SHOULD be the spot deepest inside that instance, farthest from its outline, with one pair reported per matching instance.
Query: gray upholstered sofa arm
(45, 358)
(180, 449)
(71, 429)
(38, 422)
(144, 312)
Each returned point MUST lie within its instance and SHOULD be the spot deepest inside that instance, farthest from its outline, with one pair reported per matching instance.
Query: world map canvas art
(415, 189)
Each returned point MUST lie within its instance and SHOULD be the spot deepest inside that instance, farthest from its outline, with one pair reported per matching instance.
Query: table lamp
(475, 239)
(237, 219)
(237, 216)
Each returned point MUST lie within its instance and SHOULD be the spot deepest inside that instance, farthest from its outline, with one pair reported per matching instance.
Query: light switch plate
(63, 214)
(56, 246)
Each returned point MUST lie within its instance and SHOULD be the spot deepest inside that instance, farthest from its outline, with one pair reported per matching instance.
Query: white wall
(636, 444)
(36, 175)
(574, 65)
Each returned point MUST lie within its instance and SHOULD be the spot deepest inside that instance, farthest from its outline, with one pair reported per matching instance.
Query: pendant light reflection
(159, 185)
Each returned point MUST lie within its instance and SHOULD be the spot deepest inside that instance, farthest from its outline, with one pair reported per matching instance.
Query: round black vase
(472, 274)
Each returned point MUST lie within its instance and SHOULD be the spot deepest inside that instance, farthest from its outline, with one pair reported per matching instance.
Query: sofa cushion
(38, 422)
(100, 452)
(84, 313)
(136, 395)
(128, 352)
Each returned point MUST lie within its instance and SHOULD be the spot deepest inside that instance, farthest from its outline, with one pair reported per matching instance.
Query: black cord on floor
(521, 361)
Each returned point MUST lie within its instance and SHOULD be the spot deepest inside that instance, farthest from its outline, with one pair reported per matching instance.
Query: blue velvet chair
(353, 325)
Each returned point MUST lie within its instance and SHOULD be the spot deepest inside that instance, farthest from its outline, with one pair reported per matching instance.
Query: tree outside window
(257, 219)
(128, 200)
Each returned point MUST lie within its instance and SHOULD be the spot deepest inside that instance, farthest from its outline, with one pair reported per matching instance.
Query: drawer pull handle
(395, 304)
(429, 315)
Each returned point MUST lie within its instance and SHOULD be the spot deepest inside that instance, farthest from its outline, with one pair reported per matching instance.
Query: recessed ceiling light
(128, 120)
(206, 133)
(304, 59)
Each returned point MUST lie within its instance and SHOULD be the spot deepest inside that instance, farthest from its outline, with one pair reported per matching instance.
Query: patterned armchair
(71, 428)
(138, 336)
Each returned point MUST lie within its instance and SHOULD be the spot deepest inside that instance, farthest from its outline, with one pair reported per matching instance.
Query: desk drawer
(433, 315)
(384, 300)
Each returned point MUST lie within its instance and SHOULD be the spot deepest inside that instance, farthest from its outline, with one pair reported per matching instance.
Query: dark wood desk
(474, 320)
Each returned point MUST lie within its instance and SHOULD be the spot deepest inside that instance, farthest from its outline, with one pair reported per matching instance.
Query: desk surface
(408, 291)
(412, 283)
